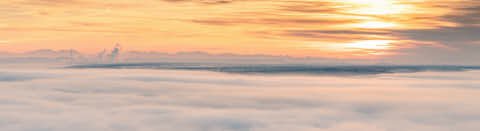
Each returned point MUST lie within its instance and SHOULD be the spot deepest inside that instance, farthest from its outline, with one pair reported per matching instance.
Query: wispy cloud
(230, 26)
(209, 2)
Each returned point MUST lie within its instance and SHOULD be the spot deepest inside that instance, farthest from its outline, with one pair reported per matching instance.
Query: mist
(58, 99)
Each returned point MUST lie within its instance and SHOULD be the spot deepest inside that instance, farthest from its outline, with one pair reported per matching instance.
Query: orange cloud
(230, 26)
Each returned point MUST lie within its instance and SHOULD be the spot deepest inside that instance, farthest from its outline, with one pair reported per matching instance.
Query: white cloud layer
(160, 100)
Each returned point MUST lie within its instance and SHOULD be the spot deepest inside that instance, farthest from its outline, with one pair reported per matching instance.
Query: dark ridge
(284, 69)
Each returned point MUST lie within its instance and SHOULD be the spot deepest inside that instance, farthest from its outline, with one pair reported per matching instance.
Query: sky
(214, 84)
(395, 30)
(152, 100)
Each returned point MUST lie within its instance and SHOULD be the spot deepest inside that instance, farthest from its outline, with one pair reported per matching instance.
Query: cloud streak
(300, 28)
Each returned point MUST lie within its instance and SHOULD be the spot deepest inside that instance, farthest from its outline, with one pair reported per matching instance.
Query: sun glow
(377, 7)
(374, 25)
(358, 48)
(316, 28)
(370, 44)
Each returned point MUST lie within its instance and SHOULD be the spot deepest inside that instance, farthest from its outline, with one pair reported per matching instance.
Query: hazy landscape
(50, 90)
(239, 65)
(53, 99)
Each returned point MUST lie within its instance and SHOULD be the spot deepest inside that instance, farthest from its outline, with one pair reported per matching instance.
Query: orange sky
(318, 28)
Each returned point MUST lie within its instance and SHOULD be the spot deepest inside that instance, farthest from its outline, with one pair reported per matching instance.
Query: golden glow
(357, 48)
(370, 44)
(273, 27)
(375, 24)
(378, 7)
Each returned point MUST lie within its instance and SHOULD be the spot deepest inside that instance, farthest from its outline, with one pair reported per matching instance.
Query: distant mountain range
(73, 57)
(115, 56)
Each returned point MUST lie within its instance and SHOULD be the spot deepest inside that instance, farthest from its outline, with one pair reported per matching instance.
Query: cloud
(311, 7)
(470, 18)
(333, 35)
(451, 35)
(21, 76)
(285, 27)
(60, 29)
(73, 4)
(103, 99)
(115, 53)
(51, 2)
(348, 32)
(268, 21)
(208, 2)
(5, 77)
